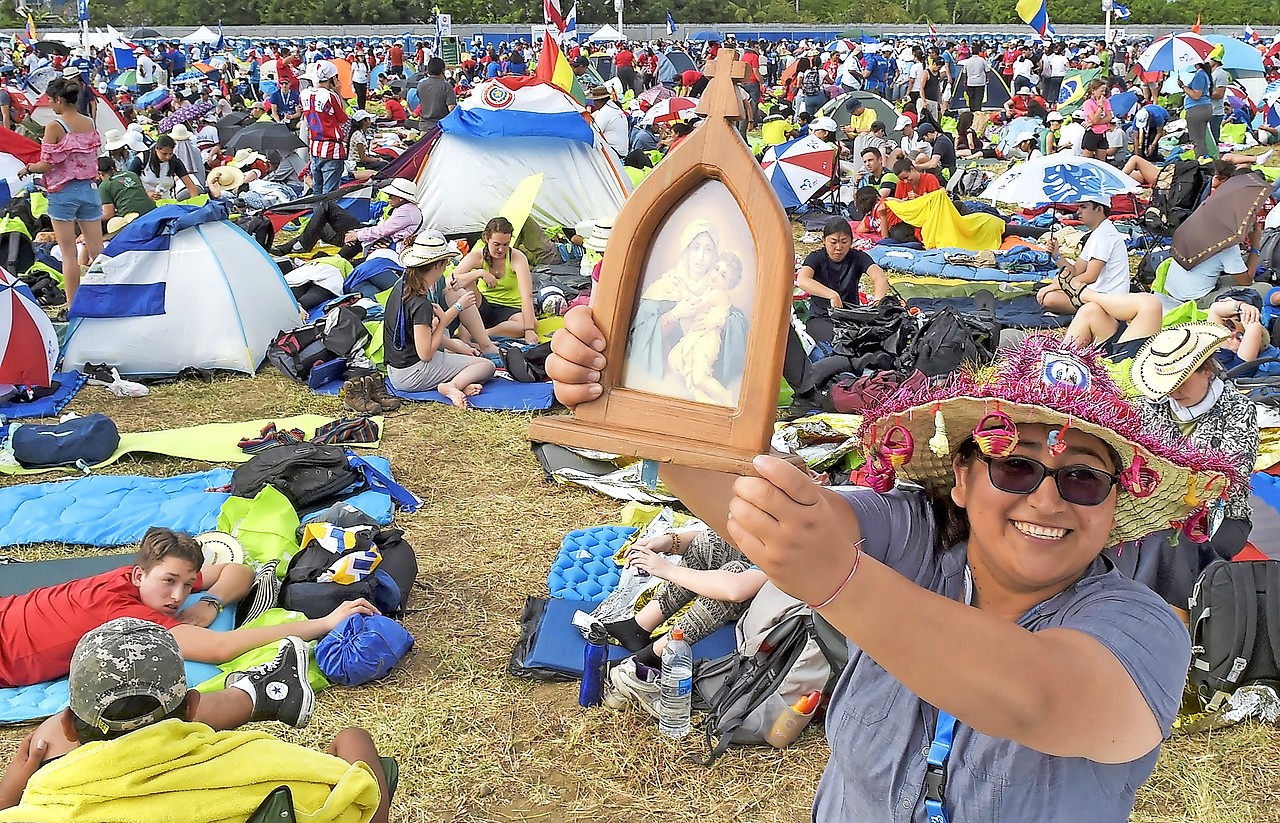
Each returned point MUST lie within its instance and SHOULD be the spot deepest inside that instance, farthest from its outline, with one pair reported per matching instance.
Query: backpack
(1179, 188)
(784, 652)
(1145, 278)
(308, 474)
(873, 337)
(969, 183)
(950, 338)
(1269, 256)
(80, 441)
(811, 83)
(298, 351)
(1235, 628)
(527, 364)
(387, 587)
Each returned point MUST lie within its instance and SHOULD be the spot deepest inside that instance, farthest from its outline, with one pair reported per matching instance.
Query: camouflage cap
(126, 657)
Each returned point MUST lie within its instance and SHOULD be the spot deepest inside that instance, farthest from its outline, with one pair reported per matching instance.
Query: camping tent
(107, 117)
(179, 287)
(836, 110)
(201, 35)
(505, 130)
(997, 94)
(605, 33)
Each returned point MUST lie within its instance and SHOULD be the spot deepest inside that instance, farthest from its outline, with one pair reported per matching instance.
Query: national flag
(671, 24)
(519, 107)
(1196, 27)
(1035, 13)
(1121, 12)
(571, 24)
(123, 49)
(933, 31)
(551, 13)
(222, 40)
(553, 66)
(125, 280)
(28, 35)
(1250, 36)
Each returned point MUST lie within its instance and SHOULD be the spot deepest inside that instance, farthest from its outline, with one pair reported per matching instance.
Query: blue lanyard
(935, 775)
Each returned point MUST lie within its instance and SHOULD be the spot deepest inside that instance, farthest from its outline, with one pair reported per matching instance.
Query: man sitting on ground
(39, 629)
(135, 744)
(1103, 265)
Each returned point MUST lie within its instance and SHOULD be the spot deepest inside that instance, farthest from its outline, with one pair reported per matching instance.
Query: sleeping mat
(1016, 313)
(69, 382)
(933, 263)
(498, 394)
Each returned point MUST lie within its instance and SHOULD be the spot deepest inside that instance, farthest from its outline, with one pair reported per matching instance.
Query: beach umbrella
(190, 76)
(799, 170)
(1058, 179)
(1271, 93)
(232, 123)
(51, 47)
(126, 79)
(28, 342)
(670, 110)
(151, 98)
(265, 137)
(843, 46)
(1237, 56)
(189, 113)
(1230, 216)
(1236, 99)
(655, 94)
(1175, 52)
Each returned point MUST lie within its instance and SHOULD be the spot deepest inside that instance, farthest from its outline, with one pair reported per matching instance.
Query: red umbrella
(670, 110)
(28, 343)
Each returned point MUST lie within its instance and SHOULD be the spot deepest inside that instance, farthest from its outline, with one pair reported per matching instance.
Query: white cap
(823, 123)
(324, 70)
(1055, 116)
(903, 122)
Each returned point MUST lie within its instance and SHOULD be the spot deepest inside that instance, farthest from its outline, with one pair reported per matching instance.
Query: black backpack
(527, 364)
(1179, 188)
(298, 351)
(1269, 256)
(308, 474)
(1235, 628)
(950, 338)
(873, 337)
(1148, 268)
(301, 590)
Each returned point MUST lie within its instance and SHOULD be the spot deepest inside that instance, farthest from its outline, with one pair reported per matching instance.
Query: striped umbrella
(670, 110)
(1175, 52)
(28, 343)
(799, 170)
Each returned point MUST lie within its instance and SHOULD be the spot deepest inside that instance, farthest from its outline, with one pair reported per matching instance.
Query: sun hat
(401, 188)
(599, 238)
(1171, 356)
(115, 224)
(428, 247)
(229, 178)
(113, 139)
(71, 73)
(360, 115)
(180, 132)
(914, 433)
(220, 547)
(1055, 116)
(246, 157)
(823, 124)
(598, 93)
(126, 657)
(1217, 53)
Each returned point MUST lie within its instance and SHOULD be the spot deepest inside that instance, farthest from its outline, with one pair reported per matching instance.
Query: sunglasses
(1080, 485)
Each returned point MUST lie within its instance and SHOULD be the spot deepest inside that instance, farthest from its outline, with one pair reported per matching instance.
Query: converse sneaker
(280, 689)
(638, 682)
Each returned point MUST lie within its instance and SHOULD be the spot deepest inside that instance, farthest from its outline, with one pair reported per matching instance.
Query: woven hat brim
(1152, 381)
(1134, 517)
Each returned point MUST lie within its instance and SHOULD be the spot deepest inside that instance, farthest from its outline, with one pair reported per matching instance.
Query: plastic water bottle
(677, 686)
(594, 657)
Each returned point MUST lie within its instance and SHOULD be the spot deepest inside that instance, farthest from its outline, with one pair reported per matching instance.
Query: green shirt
(124, 191)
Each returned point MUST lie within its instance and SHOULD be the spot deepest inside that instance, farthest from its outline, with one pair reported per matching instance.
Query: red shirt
(395, 55)
(926, 184)
(395, 110)
(624, 58)
(40, 629)
(323, 112)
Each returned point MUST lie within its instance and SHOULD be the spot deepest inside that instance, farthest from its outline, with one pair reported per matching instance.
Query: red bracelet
(857, 558)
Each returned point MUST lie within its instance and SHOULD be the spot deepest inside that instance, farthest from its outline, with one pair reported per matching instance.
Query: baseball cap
(823, 123)
(925, 129)
(1097, 199)
(126, 657)
(324, 70)
(1055, 116)
(903, 122)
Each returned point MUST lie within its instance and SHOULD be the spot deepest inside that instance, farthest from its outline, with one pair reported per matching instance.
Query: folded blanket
(161, 772)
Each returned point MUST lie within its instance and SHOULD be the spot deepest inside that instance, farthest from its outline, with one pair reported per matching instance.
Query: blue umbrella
(151, 98)
(1238, 56)
(191, 76)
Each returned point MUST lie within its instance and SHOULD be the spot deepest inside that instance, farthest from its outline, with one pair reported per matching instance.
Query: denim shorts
(78, 200)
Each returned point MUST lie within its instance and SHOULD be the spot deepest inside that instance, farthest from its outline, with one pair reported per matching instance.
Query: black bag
(297, 352)
(308, 474)
(1269, 256)
(259, 228)
(1145, 277)
(302, 591)
(1235, 628)
(1179, 188)
(527, 365)
(343, 331)
(950, 338)
(873, 337)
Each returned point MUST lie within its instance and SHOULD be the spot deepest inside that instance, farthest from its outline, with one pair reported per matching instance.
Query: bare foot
(491, 349)
(456, 397)
(473, 389)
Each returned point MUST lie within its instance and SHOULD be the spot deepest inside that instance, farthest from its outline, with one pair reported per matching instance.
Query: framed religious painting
(694, 301)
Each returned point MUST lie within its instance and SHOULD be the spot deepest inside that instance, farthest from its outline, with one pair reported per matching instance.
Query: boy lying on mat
(136, 745)
(39, 630)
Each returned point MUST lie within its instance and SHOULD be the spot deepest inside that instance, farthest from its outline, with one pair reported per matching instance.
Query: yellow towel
(175, 772)
(942, 227)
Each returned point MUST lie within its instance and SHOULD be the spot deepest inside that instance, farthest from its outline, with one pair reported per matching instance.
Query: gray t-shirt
(435, 97)
(878, 730)
(1217, 108)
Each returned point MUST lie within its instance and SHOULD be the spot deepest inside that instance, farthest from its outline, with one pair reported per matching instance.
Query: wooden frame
(713, 163)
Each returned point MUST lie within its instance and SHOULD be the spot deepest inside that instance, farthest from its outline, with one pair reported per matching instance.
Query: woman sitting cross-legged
(419, 352)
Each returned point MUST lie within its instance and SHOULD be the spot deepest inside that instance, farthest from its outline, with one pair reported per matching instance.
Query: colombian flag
(28, 34)
(1035, 13)
(553, 68)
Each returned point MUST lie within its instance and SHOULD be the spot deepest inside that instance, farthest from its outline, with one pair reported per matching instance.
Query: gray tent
(838, 110)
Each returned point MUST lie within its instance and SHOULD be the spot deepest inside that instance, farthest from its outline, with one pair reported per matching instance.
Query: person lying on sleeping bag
(40, 629)
(135, 744)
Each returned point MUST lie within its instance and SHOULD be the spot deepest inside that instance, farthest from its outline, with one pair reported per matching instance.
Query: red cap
(677, 634)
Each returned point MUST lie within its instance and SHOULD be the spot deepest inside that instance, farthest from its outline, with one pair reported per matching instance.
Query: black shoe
(283, 692)
(99, 373)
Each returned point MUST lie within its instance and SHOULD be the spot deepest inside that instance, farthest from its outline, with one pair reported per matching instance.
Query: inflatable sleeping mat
(499, 394)
(1016, 313)
(69, 382)
(933, 263)
(21, 704)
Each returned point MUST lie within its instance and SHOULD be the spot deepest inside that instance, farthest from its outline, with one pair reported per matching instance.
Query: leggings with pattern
(707, 552)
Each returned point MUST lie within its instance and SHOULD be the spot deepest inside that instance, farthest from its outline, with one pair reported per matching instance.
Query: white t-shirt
(1106, 244)
(975, 70)
(1071, 137)
(1055, 65)
(146, 70)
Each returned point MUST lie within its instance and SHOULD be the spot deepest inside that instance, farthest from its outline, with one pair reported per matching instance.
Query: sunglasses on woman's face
(1079, 485)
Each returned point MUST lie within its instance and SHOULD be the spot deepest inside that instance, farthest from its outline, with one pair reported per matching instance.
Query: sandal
(1073, 294)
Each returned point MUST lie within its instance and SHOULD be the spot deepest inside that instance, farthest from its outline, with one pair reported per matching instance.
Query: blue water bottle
(594, 658)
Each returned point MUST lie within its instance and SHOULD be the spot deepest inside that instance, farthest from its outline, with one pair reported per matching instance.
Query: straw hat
(71, 73)
(180, 132)
(1044, 380)
(599, 238)
(401, 188)
(246, 157)
(115, 224)
(229, 178)
(1172, 355)
(599, 93)
(220, 547)
(428, 247)
(113, 139)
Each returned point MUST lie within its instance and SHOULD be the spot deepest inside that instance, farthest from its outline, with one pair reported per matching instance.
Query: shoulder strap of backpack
(787, 641)
(1245, 601)
(1271, 587)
